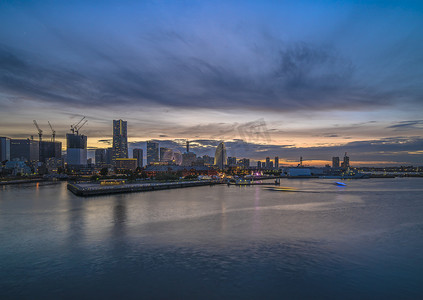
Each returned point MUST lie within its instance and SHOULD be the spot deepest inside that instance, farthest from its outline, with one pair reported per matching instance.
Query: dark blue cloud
(93, 56)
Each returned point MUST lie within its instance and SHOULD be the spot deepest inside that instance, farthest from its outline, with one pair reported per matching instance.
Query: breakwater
(94, 189)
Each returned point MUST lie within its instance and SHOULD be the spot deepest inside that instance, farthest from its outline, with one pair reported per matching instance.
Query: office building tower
(120, 139)
(267, 162)
(100, 157)
(259, 165)
(271, 165)
(76, 152)
(231, 161)
(220, 156)
(335, 162)
(276, 162)
(4, 149)
(25, 150)
(138, 154)
(152, 152)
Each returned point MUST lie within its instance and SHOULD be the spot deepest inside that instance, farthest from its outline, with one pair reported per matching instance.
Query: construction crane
(53, 135)
(40, 132)
(80, 126)
(74, 126)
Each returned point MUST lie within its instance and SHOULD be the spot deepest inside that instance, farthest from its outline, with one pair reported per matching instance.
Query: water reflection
(119, 216)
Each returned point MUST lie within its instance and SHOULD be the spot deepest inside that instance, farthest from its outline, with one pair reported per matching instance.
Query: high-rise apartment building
(267, 162)
(276, 162)
(120, 139)
(152, 152)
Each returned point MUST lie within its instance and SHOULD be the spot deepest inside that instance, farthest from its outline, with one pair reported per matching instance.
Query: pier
(95, 189)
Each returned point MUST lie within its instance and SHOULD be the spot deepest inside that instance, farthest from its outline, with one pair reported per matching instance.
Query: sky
(270, 78)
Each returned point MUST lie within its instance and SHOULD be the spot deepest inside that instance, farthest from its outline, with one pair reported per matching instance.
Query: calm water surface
(363, 241)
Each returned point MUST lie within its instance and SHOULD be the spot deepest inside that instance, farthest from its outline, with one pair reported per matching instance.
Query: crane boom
(80, 126)
(53, 135)
(74, 126)
(40, 132)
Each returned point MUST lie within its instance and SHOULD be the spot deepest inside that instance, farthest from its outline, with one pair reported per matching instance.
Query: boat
(340, 183)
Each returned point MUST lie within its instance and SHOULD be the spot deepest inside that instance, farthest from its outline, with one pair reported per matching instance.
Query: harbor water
(323, 241)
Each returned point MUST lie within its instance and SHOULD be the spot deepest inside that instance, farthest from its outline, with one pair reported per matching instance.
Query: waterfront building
(152, 152)
(100, 157)
(220, 156)
(123, 164)
(24, 150)
(4, 149)
(335, 162)
(76, 152)
(276, 162)
(231, 161)
(138, 155)
(120, 139)
(267, 162)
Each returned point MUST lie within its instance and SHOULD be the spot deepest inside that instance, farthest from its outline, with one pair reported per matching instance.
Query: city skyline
(314, 80)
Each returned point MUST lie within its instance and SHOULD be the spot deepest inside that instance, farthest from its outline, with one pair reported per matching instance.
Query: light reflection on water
(359, 241)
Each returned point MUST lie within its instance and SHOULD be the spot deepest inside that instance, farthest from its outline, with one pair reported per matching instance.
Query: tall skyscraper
(4, 148)
(152, 152)
(276, 162)
(120, 139)
(138, 154)
(335, 162)
(258, 164)
(220, 156)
